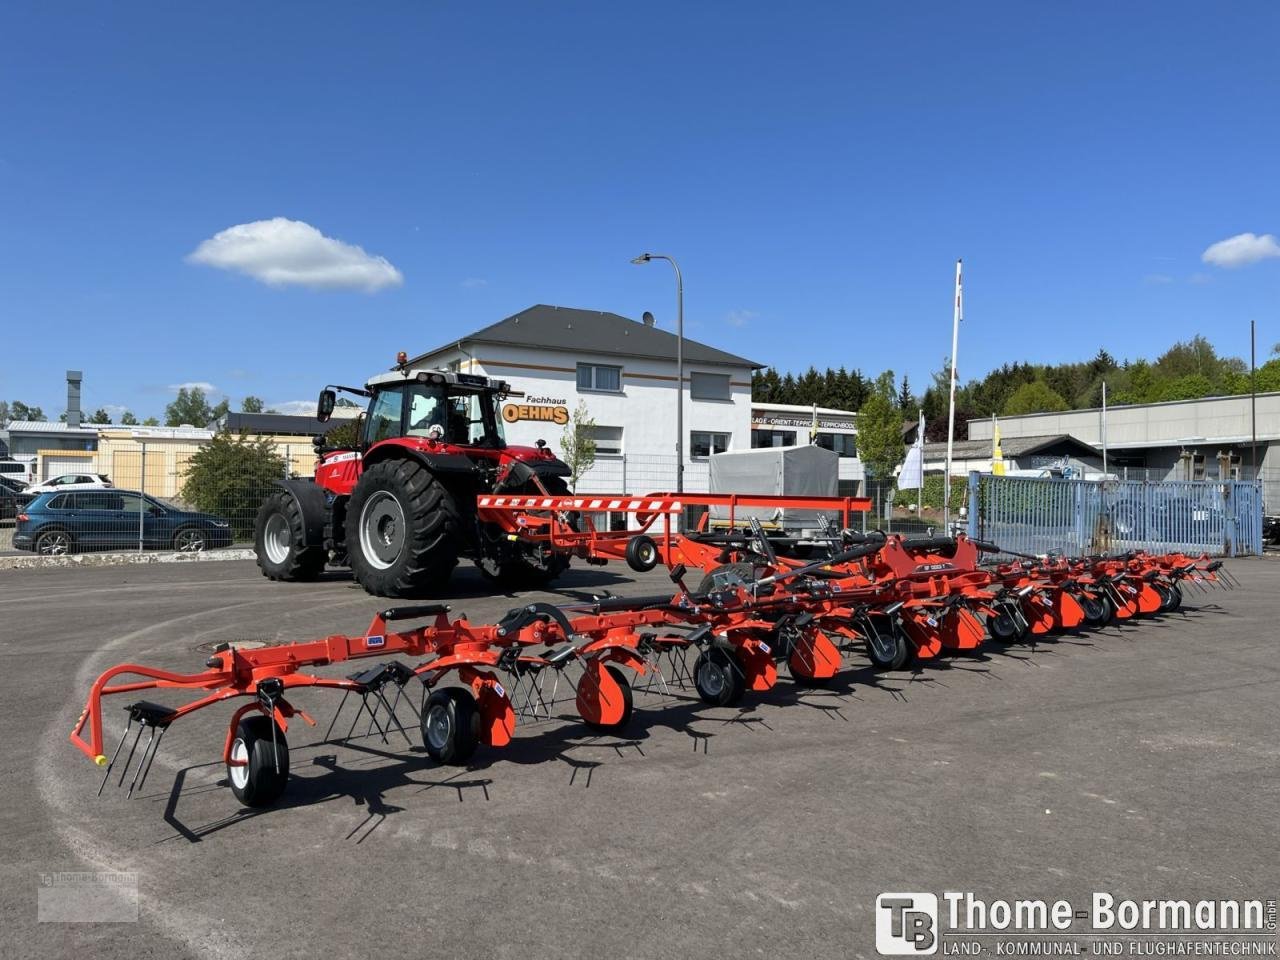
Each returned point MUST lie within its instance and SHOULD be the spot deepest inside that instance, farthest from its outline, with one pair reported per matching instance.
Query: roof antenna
(647, 318)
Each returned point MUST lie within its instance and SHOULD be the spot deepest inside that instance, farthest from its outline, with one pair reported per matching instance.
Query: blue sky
(816, 168)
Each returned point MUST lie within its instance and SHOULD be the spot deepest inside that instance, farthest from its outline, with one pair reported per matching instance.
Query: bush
(933, 492)
(231, 477)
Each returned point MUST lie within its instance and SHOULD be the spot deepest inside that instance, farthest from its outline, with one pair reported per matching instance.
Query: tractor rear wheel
(280, 541)
(404, 530)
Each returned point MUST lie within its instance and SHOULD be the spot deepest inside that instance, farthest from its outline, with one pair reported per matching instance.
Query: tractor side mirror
(324, 406)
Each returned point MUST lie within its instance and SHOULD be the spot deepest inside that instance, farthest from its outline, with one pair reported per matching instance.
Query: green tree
(128, 419)
(230, 476)
(880, 428)
(191, 407)
(1034, 397)
(151, 422)
(20, 411)
(251, 404)
(905, 398)
(345, 435)
(578, 445)
(100, 416)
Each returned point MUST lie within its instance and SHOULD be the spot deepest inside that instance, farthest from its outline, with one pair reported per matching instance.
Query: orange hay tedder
(755, 611)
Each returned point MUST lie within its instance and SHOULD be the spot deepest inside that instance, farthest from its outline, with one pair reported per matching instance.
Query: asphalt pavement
(1138, 760)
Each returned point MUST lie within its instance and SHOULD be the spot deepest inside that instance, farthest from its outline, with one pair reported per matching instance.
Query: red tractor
(399, 505)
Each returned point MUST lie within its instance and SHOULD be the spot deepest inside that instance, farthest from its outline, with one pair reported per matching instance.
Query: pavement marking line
(199, 935)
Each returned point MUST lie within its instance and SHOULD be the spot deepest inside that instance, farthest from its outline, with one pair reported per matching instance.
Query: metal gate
(1079, 517)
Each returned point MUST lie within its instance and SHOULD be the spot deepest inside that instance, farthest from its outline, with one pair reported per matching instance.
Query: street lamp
(645, 258)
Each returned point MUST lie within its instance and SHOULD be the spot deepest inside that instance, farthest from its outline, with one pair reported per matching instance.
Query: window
(63, 502)
(595, 376)
(384, 417)
(703, 443)
(608, 441)
(709, 386)
(842, 444)
(773, 438)
(98, 501)
(133, 503)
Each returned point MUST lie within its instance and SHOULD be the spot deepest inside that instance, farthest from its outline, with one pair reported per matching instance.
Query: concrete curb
(121, 559)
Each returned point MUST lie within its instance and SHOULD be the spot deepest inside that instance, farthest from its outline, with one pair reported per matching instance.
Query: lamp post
(645, 258)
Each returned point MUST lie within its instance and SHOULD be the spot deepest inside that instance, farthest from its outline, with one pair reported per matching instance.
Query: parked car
(22, 472)
(71, 481)
(12, 497)
(1271, 529)
(59, 523)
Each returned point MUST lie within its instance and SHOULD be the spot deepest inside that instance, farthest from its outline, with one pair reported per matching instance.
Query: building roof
(1012, 448)
(52, 426)
(277, 423)
(591, 331)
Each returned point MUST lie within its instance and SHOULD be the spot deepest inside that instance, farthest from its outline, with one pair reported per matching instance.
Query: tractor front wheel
(404, 530)
(280, 541)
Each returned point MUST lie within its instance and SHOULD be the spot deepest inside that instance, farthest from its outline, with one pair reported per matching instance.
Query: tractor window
(384, 416)
(426, 410)
(473, 420)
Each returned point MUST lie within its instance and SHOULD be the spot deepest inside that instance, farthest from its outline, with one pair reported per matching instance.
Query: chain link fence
(151, 494)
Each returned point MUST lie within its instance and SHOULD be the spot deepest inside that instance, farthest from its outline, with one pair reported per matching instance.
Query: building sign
(545, 409)
(783, 420)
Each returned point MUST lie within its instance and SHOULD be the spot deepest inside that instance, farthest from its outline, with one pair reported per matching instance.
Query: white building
(789, 424)
(1210, 438)
(624, 374)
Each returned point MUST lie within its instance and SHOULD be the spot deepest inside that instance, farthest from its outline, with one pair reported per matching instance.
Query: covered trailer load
(800, 471)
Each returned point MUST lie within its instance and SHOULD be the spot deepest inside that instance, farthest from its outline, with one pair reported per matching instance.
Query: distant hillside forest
(1186, 371)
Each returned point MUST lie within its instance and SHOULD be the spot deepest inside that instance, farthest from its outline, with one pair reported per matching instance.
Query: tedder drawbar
(752, 612)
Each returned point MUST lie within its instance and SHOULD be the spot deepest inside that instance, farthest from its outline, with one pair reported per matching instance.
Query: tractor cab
(436, 407)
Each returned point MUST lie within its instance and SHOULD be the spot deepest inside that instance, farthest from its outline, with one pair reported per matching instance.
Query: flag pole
(920, 444)
(957, 316)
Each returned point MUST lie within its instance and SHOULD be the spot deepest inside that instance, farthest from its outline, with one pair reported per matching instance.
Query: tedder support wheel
(1002, 627)
(404, 530)
(279, 541)
(890, 649)
(1094, 611)
(641, 553)
(718, 677)
(260, 765)
(1175, 601)
(451, 725)
(624, 685)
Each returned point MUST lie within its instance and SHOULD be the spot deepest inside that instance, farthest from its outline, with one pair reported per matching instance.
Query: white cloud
(201, 385)
(740, 318)
(474, 283)
(1242, 250)
(282, 253)
(297, 408)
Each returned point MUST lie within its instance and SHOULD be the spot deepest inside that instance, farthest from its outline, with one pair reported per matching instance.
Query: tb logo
(906, 924)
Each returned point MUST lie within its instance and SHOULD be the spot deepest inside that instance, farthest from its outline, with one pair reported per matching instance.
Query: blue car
(58, 523)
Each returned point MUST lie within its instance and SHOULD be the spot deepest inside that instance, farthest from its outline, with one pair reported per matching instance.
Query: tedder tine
(106, 776)
(341, 704)
(154, 751)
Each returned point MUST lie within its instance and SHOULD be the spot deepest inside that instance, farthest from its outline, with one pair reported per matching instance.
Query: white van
(21, 470)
